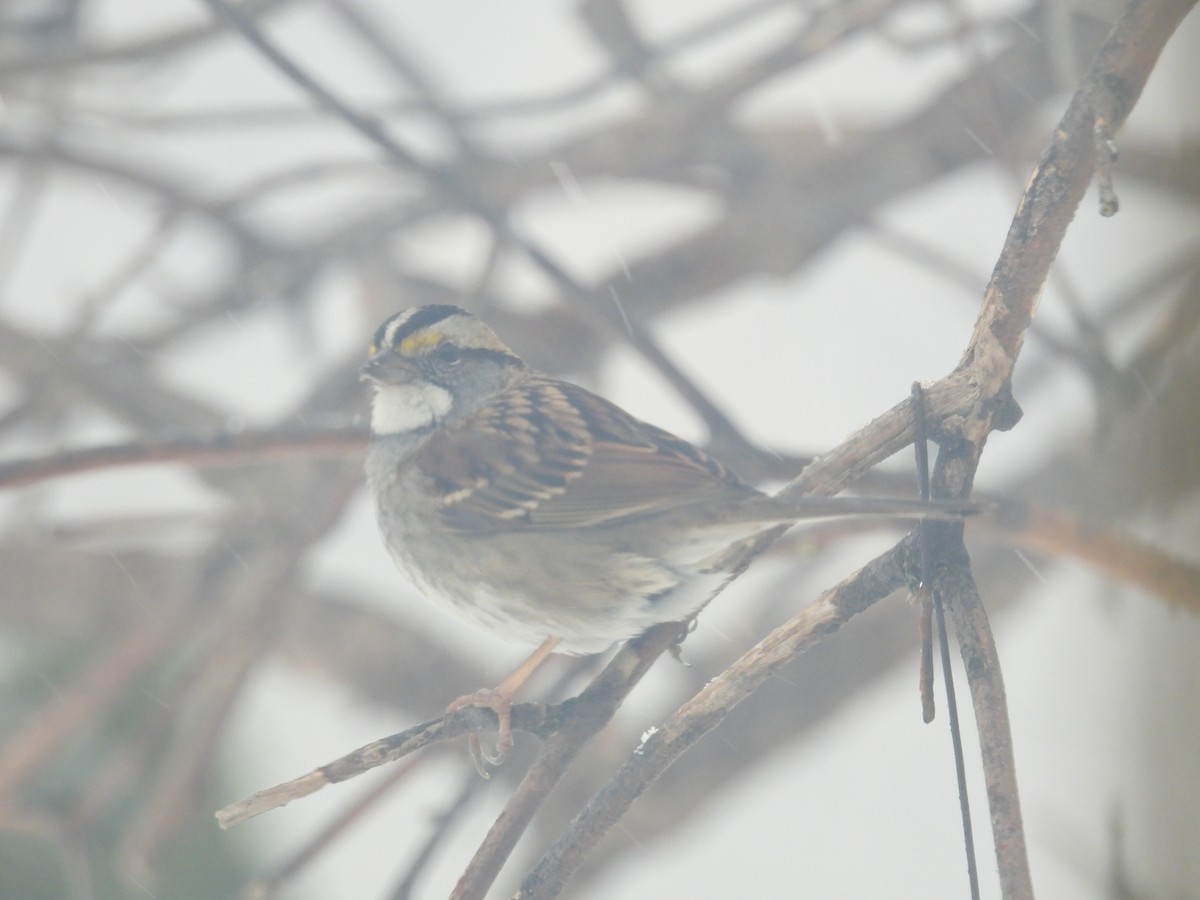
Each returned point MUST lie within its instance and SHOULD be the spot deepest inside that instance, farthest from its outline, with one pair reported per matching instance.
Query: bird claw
(501, 704)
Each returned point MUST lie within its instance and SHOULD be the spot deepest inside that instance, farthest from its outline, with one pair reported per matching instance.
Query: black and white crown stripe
(393, 332)
(410, 321)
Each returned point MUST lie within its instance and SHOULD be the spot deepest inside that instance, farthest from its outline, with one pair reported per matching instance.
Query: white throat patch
(398, 408)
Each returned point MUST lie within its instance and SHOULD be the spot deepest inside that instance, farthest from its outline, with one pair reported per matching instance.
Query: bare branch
(707, 709)
(221, 449)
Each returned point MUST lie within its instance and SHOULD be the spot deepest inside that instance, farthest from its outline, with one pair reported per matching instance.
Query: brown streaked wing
(506, 461)
(548, 454)
(635, 467)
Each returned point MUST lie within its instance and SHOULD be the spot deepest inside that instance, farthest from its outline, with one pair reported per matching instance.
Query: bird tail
(880, 507)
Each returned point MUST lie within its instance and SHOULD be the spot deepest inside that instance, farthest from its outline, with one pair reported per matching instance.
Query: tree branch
(705, 711)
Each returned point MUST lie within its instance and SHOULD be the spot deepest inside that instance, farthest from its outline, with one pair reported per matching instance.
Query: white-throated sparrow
(541, 510)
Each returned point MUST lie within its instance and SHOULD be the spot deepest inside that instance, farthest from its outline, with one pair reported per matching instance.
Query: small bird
(542, 511)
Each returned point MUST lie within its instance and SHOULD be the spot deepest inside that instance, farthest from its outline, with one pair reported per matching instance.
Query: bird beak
(388, 367)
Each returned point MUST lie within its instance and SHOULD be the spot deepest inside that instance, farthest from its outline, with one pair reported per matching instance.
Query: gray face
(434, 364)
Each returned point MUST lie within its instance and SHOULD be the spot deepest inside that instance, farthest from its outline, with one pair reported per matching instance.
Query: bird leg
(499, 700)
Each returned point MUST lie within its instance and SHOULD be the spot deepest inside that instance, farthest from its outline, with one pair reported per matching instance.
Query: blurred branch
(1119, 557)
(1057, 533)
(454, 184)
(139, 631)
(168, 190)
(220, 449)
(135, 51)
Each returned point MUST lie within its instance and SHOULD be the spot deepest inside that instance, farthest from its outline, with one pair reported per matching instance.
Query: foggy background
(799, 204)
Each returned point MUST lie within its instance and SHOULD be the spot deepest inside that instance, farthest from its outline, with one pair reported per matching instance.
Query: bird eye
(448, 354)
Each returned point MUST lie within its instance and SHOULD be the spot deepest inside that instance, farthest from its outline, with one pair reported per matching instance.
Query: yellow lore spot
(422, 340)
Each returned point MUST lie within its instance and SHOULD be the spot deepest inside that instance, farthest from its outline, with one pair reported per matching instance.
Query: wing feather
(546, 454)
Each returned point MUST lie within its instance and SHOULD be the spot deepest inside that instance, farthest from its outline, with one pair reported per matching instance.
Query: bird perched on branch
(542, 511)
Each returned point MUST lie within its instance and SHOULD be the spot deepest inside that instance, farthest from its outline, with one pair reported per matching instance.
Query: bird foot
(499, 702)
